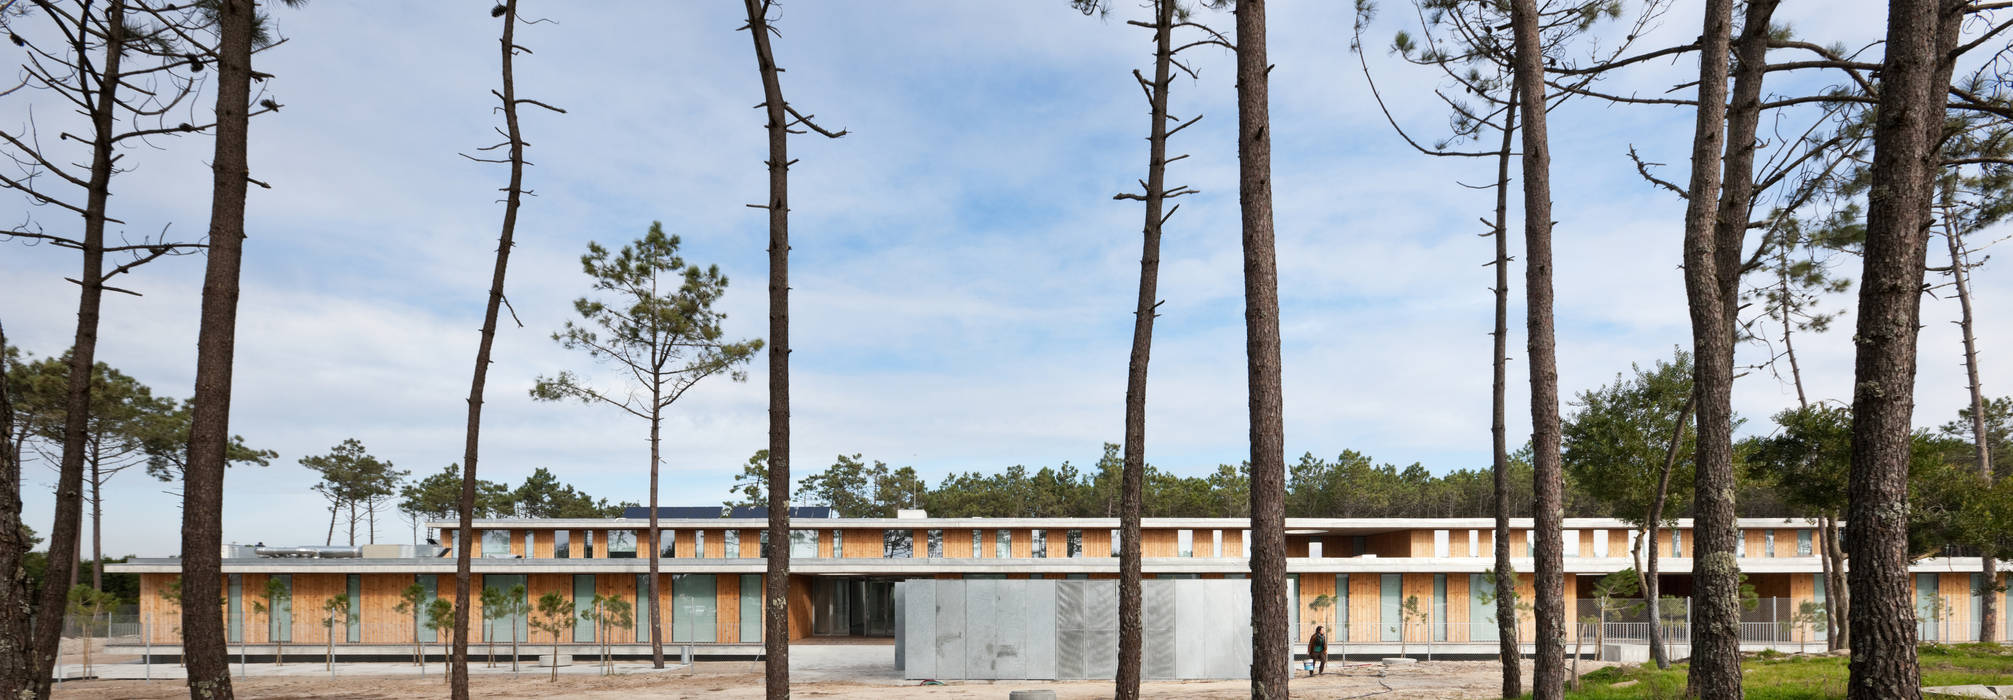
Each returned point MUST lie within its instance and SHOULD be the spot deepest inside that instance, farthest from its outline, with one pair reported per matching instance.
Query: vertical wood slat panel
(378, 611)
(1457, 608)
(1097, 543)
(716, 544)
(799, 597)
(727, 606)
(1023, 543)
(958, 544)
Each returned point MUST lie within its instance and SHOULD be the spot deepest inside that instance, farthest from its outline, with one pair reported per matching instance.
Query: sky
(962, 280)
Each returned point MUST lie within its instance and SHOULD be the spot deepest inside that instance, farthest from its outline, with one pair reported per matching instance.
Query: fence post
(147, 659)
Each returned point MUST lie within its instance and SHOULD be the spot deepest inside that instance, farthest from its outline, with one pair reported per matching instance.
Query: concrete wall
(1068, 630)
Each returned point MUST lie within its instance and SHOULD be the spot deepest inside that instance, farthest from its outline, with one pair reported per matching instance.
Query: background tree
(1627, 445)
(276, 596)
(84, 606)
(411, 602)
(543, 496)
(1807, 461)
(121, 417)
(493, 609)
(608, 613)
(1915, 74)
(779, 120)
(659, 326)
(437, 496)
(351, 479)
(440, 620)
(335, 608)
(167, 444)
(555, 617)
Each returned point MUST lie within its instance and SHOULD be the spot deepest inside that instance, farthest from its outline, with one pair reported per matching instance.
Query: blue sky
(963, 281)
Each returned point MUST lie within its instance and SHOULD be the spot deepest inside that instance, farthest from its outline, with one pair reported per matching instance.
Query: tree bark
(17, 651)
(209, 673)
(1507, 650)
(656, 611)
(98, 520)
(1835, 637)
(1723, 152)
(1914, 74)
(1547, 509)
(64, 532)
(776, 583)
(1133, 477)
(1270, 644)
(1988, 609)
(465, 506)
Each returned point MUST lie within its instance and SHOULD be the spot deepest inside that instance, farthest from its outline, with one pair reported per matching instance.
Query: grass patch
(1777, 676)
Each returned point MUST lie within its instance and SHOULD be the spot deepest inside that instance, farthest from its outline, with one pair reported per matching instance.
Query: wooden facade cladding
(1097, 543)
(1164, 543)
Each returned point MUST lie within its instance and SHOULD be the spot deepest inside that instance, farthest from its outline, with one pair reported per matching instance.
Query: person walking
(1317, 651)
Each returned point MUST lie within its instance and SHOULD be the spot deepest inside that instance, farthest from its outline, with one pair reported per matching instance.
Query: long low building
(1382, 585)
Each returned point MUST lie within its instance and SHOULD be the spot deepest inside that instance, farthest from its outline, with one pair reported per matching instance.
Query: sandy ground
(1440, 679)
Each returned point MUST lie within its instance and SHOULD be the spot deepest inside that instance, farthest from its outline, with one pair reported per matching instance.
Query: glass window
(1244, 538)
(280, 616)
(1803, 543)
(430, 583)
(1439, 621)
(501, 629)
(621, 544)
(562, 541)
(1003, 544)
(978, 546)
(587, 545)
(1215, 543)
(803, 544)
(699, 544)
(1677, 543)
(583, 601)
(898, 544)
(530, 544)
(1768, 543)
(730, 540)
(1039, 544)
(1390, 606)
(667, 543)
(236, 608)
(353, 627)
(496, 544)
(1184, 543)
(751, 608)
(838, 543)
(936, 544)
(694, 608)
(1072, 544)
(641, 608)
(764, 544)
(1114, 543)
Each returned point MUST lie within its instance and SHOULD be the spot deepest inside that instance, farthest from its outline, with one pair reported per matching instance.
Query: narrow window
(1215, 543)
(1768, 543)
(353, 626)
(1803, 543)
(530, 544)
(562, 541)
(731, 541)
(583, 604)
(803, 544)
(936, 544)
(667, 543)
(1439, 621)
(1003, 547)
(1677, 543)
(1072, 542)
(1184, 543)
(978, 546)
(1114, 543)
(587, 545)
(1039, 544)
(237, 609)
(838, 543)
(764, 544)
(698, 545)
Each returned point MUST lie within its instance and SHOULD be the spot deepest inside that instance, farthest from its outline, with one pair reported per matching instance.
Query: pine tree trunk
(64, 532)
(1988, 609)
(98, 520)
(17, 651)
(656, 612)
(776, 582)
(1132, 479)
(1716, 564)
(1507, 650)
(1270, 645)
(1652, 587)
(1914, 75)
(465, 506)
(209, 673)
(1547, 509)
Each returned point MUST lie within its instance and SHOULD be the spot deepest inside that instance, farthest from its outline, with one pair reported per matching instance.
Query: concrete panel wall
(1018, 629)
